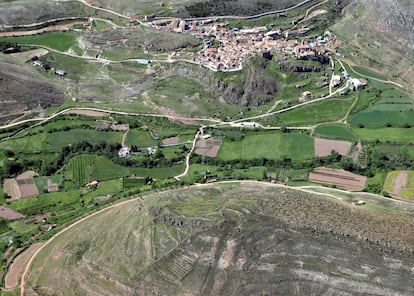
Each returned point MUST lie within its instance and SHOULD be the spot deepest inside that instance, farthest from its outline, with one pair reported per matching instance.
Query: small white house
(37, 63)
(124, 152)
(356, 84)
(60, 72)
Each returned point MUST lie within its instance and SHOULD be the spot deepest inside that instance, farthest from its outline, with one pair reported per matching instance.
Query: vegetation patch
(58, 140)
(105, 169)
(56, 40)
(80, 168)
(396, 135)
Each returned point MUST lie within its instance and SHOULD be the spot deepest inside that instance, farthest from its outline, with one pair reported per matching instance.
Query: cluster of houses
(39, 63)
(225, 47)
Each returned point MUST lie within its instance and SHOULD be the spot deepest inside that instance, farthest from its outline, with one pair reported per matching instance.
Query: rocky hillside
(27, 12)
(250, 239)
(382, 33)
(24, 89)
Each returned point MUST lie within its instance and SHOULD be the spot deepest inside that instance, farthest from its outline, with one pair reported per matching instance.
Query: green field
(55, 202)
(398, 135)
(61, 41)
(377, 119)
(336, 132)
(366, 72)
(140, 138)
(105, 169)
(326, 111)
(129, 183)
(268, 145)
(27, 143)
(158, 173)
(80, 168)
(61, 139)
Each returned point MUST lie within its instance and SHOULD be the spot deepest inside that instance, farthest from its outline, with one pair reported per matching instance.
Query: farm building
(124, 152)
(37, 63)
(143, 61)
(336, 80)
(356, 84)
(60, 72)
(249, 124)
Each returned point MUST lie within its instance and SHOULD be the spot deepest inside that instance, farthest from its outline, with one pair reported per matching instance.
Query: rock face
(251, 88)
(393, 17)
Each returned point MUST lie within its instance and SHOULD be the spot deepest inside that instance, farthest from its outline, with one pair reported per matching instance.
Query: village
(225, 48)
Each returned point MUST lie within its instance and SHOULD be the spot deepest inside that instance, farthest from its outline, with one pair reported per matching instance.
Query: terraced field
(198, 240)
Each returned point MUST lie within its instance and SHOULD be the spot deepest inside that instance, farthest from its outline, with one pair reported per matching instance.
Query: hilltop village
(225, 48)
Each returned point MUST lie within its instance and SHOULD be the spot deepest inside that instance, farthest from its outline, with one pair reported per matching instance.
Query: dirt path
(187, 159)
(12, 277)
(124, 137)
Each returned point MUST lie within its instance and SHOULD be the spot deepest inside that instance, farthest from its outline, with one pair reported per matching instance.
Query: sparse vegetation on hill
(188, 240)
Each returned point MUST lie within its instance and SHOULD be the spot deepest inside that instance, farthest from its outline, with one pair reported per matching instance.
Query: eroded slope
(234, 240)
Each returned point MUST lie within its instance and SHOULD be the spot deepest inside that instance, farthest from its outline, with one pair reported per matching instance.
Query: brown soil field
(11, 188)
(17, 267)
(340, 178)
(171, 141)
(323, 147)
(208, 147)
(9, 214)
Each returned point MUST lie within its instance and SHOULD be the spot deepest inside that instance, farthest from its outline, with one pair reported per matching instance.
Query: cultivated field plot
(140, 138)
(208, 147)
(324, 147)
(396, 135)
(392, 109)
(339, 178)
(9, 214)
(273, 145)
(171, 141)
(80, 168)
(335, 132)
(22, 186)
(58, 140)
(400, 183)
